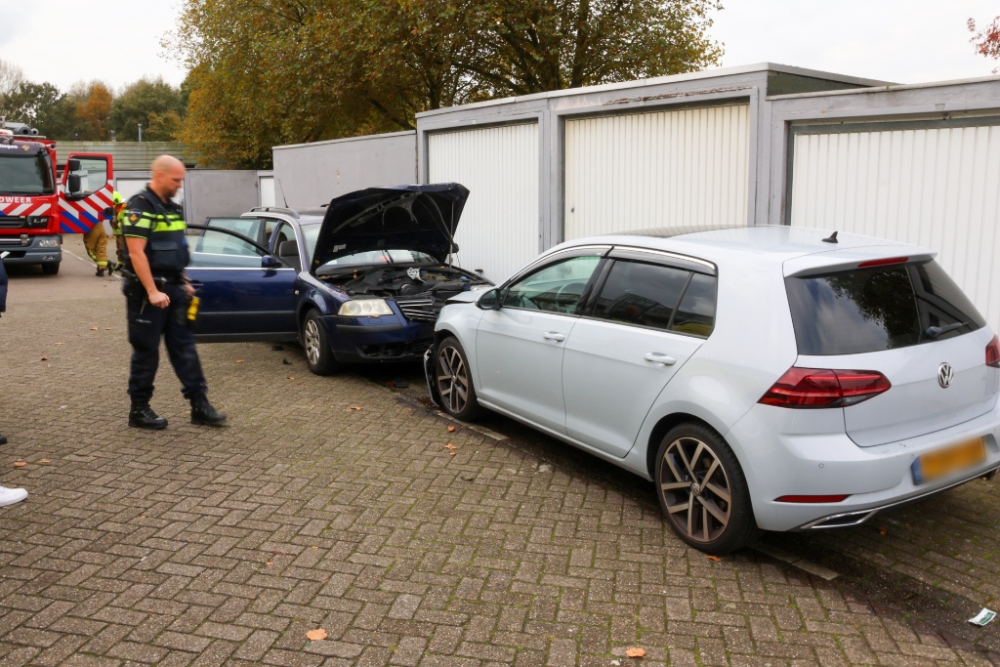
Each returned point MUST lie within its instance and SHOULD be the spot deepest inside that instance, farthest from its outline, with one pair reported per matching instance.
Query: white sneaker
(11, 496)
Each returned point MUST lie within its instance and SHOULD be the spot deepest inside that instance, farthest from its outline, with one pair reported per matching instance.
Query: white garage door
(499, 231)
(657, 169)
(937, 187)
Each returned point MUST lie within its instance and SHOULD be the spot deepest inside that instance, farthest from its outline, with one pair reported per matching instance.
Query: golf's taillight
(993, 353)
(824, 388)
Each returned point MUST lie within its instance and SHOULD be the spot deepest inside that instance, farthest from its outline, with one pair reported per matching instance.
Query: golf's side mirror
(490, 300)
(270, 262)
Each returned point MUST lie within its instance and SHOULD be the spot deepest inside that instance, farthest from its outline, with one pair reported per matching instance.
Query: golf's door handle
(659, 359)
(554, 335)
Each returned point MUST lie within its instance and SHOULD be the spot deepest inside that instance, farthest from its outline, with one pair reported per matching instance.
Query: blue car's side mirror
(270, 262)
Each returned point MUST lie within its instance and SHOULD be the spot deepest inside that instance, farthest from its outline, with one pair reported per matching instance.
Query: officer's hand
(189, 289)
(159, 299)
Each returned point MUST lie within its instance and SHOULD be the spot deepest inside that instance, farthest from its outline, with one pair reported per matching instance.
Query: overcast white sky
(905, 41)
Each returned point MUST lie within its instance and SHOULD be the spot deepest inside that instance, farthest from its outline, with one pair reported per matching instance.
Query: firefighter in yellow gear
(96, 242)
(117, 223)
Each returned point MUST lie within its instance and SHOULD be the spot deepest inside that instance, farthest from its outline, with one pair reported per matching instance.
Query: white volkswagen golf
(771, 378)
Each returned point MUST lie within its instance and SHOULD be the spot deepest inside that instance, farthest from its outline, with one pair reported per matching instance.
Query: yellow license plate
(945, 461)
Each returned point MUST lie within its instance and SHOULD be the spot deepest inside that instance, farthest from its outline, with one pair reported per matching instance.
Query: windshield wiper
(934, 332)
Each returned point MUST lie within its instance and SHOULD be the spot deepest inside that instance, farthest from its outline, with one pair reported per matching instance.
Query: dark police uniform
(162, 225)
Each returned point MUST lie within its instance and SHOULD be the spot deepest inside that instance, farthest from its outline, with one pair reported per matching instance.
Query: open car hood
(406, 217)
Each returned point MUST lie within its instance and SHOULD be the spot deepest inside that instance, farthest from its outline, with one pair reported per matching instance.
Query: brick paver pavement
(224, 547)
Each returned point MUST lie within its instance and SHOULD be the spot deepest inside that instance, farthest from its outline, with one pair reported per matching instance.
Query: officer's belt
(176, 279)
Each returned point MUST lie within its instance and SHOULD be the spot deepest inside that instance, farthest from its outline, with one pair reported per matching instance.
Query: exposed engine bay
(420, 291)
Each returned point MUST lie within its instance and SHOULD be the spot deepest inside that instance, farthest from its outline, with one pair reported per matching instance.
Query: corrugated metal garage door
(499, 231)
(937, 187)
(657, 169)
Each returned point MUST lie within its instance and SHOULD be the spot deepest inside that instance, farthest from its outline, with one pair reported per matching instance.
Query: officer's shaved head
(168, 176)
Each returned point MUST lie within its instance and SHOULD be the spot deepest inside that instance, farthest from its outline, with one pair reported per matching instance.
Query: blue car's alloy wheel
(319, 356)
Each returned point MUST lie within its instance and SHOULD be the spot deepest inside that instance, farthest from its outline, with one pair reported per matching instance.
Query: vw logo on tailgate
(945, 375)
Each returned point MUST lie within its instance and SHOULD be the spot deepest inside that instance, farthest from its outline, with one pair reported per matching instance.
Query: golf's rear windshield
(878, 308)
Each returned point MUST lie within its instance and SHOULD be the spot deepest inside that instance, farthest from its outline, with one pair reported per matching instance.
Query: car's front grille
(419, 309)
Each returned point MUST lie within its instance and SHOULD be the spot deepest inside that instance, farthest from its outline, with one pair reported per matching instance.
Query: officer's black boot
(142, 416)
(203, 413)
(3, 440)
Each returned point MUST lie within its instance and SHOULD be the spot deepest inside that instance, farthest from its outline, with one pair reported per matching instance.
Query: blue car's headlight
(365, 308)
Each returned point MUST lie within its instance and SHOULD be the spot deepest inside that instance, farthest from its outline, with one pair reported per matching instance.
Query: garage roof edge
(388, 135)
(882, 88)
(706, 74)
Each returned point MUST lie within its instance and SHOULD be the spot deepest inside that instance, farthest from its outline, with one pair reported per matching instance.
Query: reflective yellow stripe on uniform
(173, 223)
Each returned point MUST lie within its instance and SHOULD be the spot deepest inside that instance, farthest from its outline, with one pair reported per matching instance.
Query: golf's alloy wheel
(695, 489)
(313, 342)
(453, 379)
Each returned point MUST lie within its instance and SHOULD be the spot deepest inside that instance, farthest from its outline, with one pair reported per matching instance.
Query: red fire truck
(38, 203)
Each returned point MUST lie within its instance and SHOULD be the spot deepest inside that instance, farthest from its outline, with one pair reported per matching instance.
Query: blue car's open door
(246, 293)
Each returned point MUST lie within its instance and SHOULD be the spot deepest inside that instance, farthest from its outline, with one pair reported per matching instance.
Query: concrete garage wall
(212, 192)
(310, 175)
(205, 193)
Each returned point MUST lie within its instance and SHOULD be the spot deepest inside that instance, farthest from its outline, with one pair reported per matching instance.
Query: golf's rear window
(879, 308)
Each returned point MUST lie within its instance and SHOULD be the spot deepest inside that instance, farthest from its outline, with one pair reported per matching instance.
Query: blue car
(361, 280)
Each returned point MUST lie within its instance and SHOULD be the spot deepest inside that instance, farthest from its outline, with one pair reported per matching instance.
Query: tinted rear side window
(881, 308)
(696, 314)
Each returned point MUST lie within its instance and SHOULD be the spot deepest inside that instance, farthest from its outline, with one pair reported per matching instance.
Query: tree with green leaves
(291, 71)
(43, 107)
(154, 103)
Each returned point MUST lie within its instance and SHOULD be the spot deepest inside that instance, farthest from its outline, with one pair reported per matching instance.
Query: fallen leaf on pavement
(239, 361)
(58, 343)
(636, 652)
(107, 328)
(354, 408)
(291, 378)
(315, 547)
(45, 358)
(449, 446)
(317, 635)
(45, 461)
(883, 531)
(93, 328)
(451, 429)
(19, 464)
(451, 454)
(715, 558)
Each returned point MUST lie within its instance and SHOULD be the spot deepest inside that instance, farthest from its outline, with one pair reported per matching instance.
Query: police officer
(159, 296)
